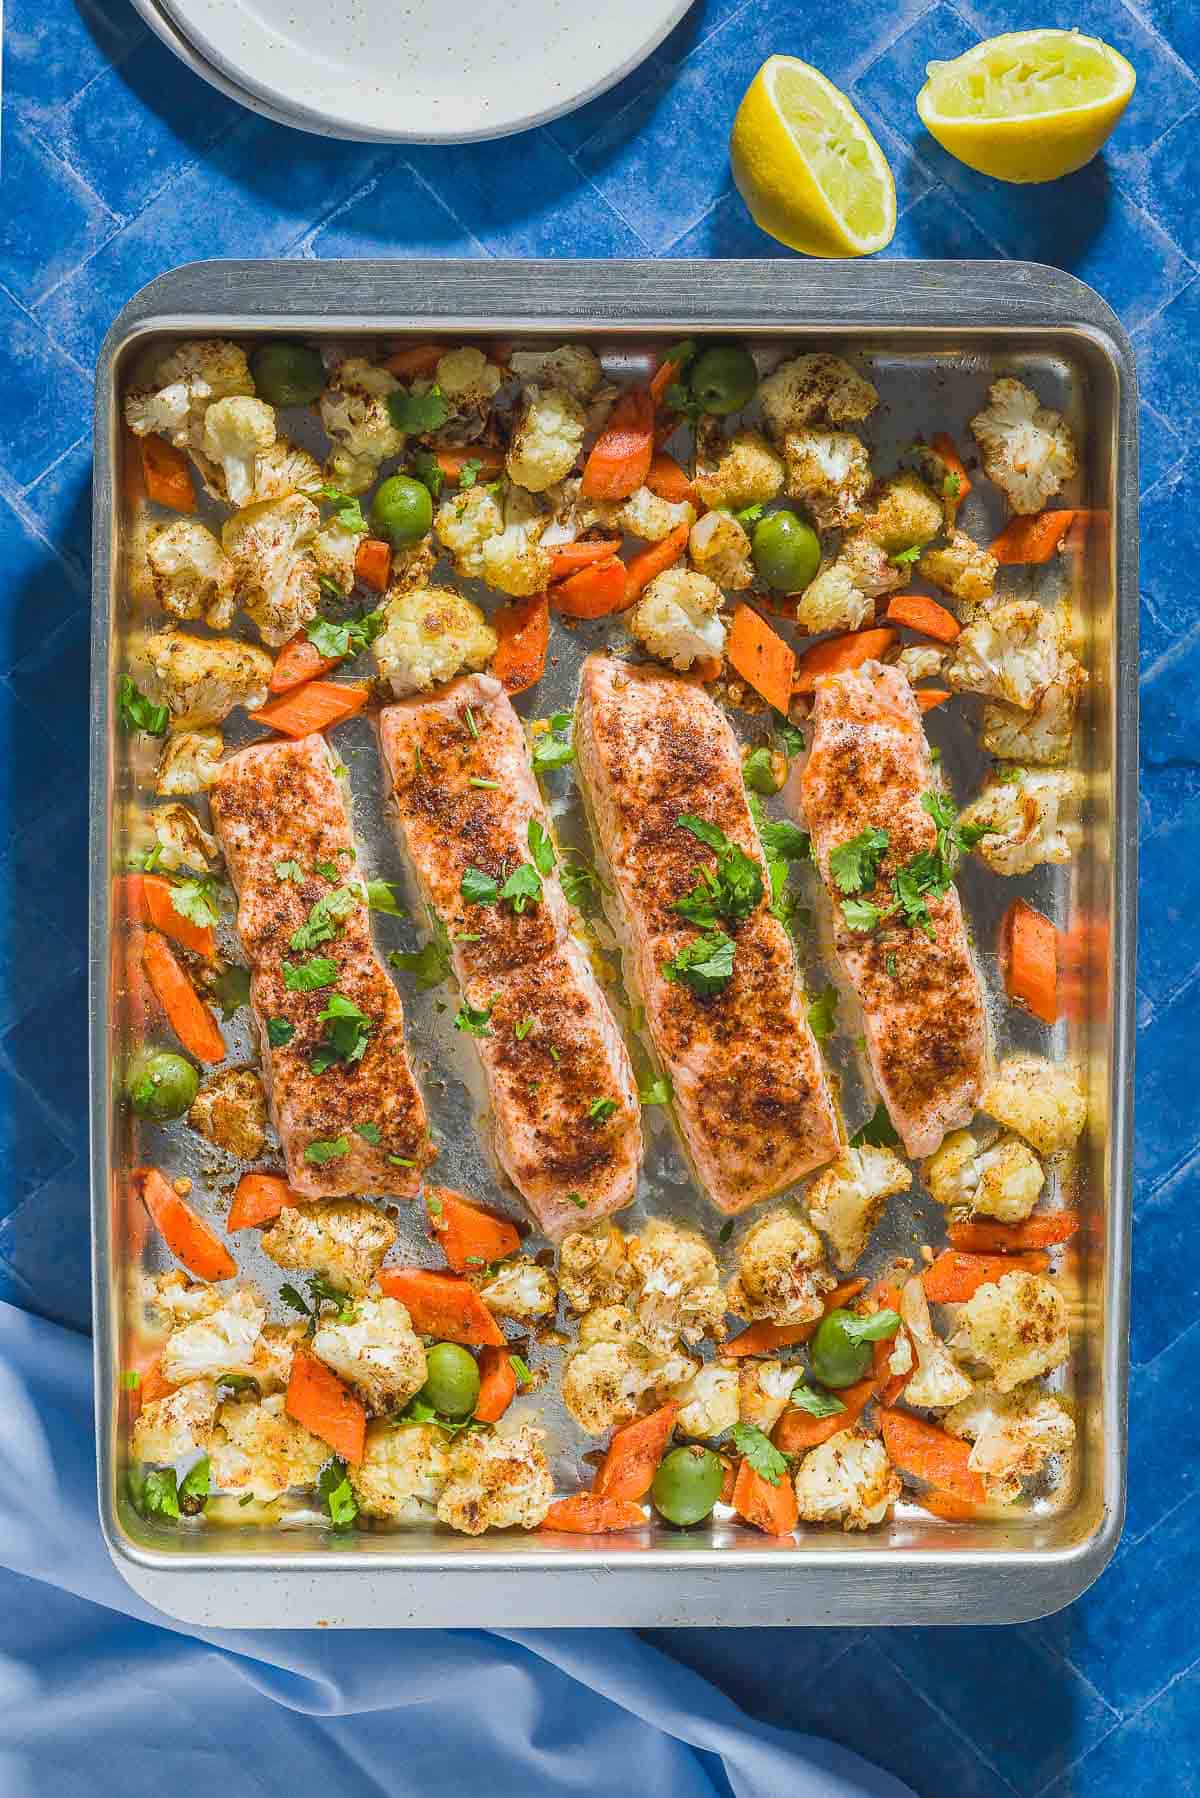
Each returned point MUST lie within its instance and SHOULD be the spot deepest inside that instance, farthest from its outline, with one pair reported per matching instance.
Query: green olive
(837, 1359)
(723, 378)
(451, 1380)
(687, 1484)
(401, 510)
(787, 552)
(287, 374)
(161, 1085)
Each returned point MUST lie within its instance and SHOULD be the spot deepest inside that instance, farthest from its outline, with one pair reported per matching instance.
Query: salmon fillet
(565, 1112)
(280, 804)
(751, 1098)
(925, 1022)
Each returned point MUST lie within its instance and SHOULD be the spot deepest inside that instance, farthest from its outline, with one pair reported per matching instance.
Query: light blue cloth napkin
(100, 1694)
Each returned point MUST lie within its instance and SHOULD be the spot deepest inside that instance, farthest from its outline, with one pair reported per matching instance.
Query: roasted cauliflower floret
(905, 514)
(747, 473)
(1043, 1103)
(676, 620)
(236, 432)
(719, 548)
(605, 1381)
(430, 634)
(464, 523)
(183, 841)
(781, 1271)
(173, 389)
(1043, 736)
(1016, 1327)
(607, 1323)
(259, 1448)
(961, 567)
(572, 366)
(1022, 820)
(847, 1200)
(403, 1471)
(937, 1381)
(514, 562)
(376, 1350)
(169, 1428)
(271, 1367)
(920, 662)
(270, 546)
(812, 388)
(1012, 653)
(547, 438)
(182, 1300)
(192, 575)
(496, 1482)
(190, 762)
(647, 516)
(829, 472)
(1003, 1180)
(334, 549)
(468, 382)
(945, 480)
(594, 1267)
(284, 468)
(520, 1288)
(1027, 449)
(764, 1388)
(680, 1292)
(354, 411)
(230, 1110)
(224, 1341)
(1013, 1436)
(847, 1480)
(198, 679)
(349, 474)
(841, 596)
(708, 1402)
(343, 1239)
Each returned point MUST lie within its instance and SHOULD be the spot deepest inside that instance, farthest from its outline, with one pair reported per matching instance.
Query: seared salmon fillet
(565, 1112)
(751, 1098)
(280, 814)
(925, 1023)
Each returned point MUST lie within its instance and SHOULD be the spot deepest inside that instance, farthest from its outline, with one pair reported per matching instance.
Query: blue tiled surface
(118, 164)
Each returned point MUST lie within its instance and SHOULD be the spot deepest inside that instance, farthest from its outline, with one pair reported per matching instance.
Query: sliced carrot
(584, 1514)
(522, 640)
(468, 1236)
(167, 474)
(146, 899)
(146, 1362)
(797, 1431)
(956, 1277)
(595, 592)
(258, 1200)
(187, 1014)
(620, 458)
(946, 1506)
(765, 1338)
(1040, 1232)
(187, 1236)
(761, 657)
(929, 698)
(299, 661)
(566, 558)
(155, 1384)
(932, 1455)
(373, 563)
(326, 1407)
(642, 568)
(664, 376)
(837, 655)
(629, 1467)
(887, 1297)
(772, 1509)
(1083, 524)
(442, 1305)
(453, 461)
(317, 705)
(1029, 960)
(947, 449)
(497, 1384)
(415, 360)
(920, 613)
(669, 481)
(1031, 538)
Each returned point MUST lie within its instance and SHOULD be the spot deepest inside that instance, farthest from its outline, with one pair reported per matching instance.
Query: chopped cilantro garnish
(599, 1109)
(760, 1452)
(952, 486)
(705, 965)
(430, 965)
(346, 636)
(890, 965)
(279, 1032)
(523, 887)
(468, 474)
(231, 990)
(347, 1031)
(861, 915)
(195, 900)
(817, 1404)
(657, 1090)
(160, 1493)
(309, 976)
(289, 871)
(854, 866)
(381, 897)
(554, 749)
(478, 888)
(580, 883)
(473, 1021)
(139, 713)
(346, 507)
(324, 917)
(877, 1326)
(521, 1030)
(426, 468)
(791, 737)
(577, 1199)
(540, 847)
(194, 1487)
(904, 558)
(822, 1013)
(749, 515)
(730, 891)
(318, 1153)
(336, 1493)
(369, 1132)
(758, 771)
(418, 412)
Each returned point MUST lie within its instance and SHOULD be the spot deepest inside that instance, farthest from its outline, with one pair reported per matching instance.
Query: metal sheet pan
(935, 333)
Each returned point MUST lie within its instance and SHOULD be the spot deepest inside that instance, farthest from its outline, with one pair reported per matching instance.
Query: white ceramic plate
(423, 71)
(173, 38)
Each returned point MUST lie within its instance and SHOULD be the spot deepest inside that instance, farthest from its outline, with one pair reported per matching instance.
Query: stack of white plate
(433, 71)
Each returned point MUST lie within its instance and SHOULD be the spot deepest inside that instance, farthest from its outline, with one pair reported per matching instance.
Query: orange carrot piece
(765, 1338)
(595, 592)
(155, 1384)
(955, 1277)
(167, 474)
(146, 899)
(932, 1455)
(373, 563)
(947, 449)
(945, 1506)
(442, 1305)
(317, 705)
(929, 698)
(836, 655)
(772, 1509)
(620, 458)
(453, 461)
(797, 1431)
(187, 1014)
(415, 361)
(669, 481)
(761, 657)
(187, 1236)
(584, 1514)
(1040, 1232)
(664, 376)
(643, 567)
(523, 638)
(299, 661)
(566, 558)
(469, 1236)
(887, 1297)
(326, 1407)
(1029, 960)
(497, 1384)
(920, 613)
(1031, 538)
(258, 1200)
(629, 1467)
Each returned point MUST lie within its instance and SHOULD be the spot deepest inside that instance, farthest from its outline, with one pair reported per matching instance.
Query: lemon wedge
(807, 165)
(1027, 106)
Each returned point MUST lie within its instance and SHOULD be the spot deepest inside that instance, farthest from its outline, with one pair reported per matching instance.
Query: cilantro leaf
(289, 871)
(139, 713)
(381, 897)
(478, 888)
(346, 636)
(657, 1090)
(817, 1404)
(347, 1031)
(194, 1487)
(758, 772)
(427, 469)
(523, 887)
(705, 965)
(430, 965)
(468, 474)
(791, 737)
(600, 1109)
(521, 1030)
(785, 840)
(318, 1153)
(309, 976)
(324, 917)
(876, 1327)
(861, 915)
(749, 515)
(160, 1494)
(760, 1452)
(822, 1013)
(346, 507)
(231, 990)
(336, 1493)
(878, 1131)
(287, 1291)
(580, 883)
(540, 848)
(418, 412)
(369, 1132)
(904, 558)
(279, 1032)
(554, 749)
(474, 1022)
(194, 899)
(731, 890)
(709, 834)
(854, 866)
(952, 486)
